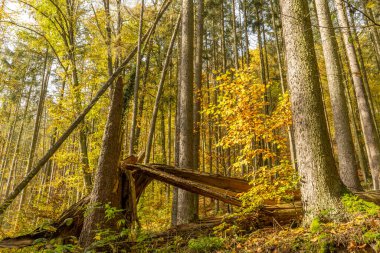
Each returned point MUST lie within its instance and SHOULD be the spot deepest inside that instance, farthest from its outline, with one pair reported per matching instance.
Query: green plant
(354, 204)
(205, 244)
(315, 225)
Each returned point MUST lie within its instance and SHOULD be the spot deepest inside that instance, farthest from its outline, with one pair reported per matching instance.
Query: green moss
(354, 205)
(205, 244)
(315, 225)
(371, 236)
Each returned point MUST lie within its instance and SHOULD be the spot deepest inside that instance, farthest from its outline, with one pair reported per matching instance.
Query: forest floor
(235, 233)
(360, 234)
(255, 231)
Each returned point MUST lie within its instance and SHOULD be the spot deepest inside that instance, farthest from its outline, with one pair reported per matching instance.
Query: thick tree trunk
(321, 187)
(106, 184)
(347, 162)
(186, 124)
(366, 118)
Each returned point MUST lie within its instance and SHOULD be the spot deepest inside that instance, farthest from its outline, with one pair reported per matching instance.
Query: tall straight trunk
(106, 4)
(363, 70)
(224, 56)
(106, 190)
(359, 152)
(133, 141)
(246, 36)
(163, 137)
(292, 146)
(159, 93)
(236, 52)
(260, 43)
(347, 162)
(321, 187)
(186, 124)
(198, 88)
(174, 213)
(368, 125)
(354, 114)
(170, 132)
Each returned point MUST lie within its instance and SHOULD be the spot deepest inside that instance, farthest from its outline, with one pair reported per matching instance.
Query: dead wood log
(191, 186)
(228, 183)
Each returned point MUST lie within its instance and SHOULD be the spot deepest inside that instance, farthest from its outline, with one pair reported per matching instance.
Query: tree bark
(347, 162)
(198, 89)
(366, 118)
(106, 184)
(321, 187)
(186, 125)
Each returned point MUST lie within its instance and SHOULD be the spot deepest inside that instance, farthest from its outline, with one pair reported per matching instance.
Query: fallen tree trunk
(228, 183)
(189, 185)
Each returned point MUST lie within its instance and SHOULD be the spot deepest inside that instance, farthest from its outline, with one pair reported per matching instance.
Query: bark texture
(106, 184)
(321, 187)
(368, 125)
(347, 162)
(186, 125)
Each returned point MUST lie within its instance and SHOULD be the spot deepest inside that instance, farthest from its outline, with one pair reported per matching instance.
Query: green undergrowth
(355, 205)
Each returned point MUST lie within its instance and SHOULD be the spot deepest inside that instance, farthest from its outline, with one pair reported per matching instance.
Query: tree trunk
(321, 187)
(246, 35)
(133, 141)
(186, 125)
(366, 118)
(106, 184)
(347, 162)
(198, 89)
(290, 130)
(236, 52)
(363, 70)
